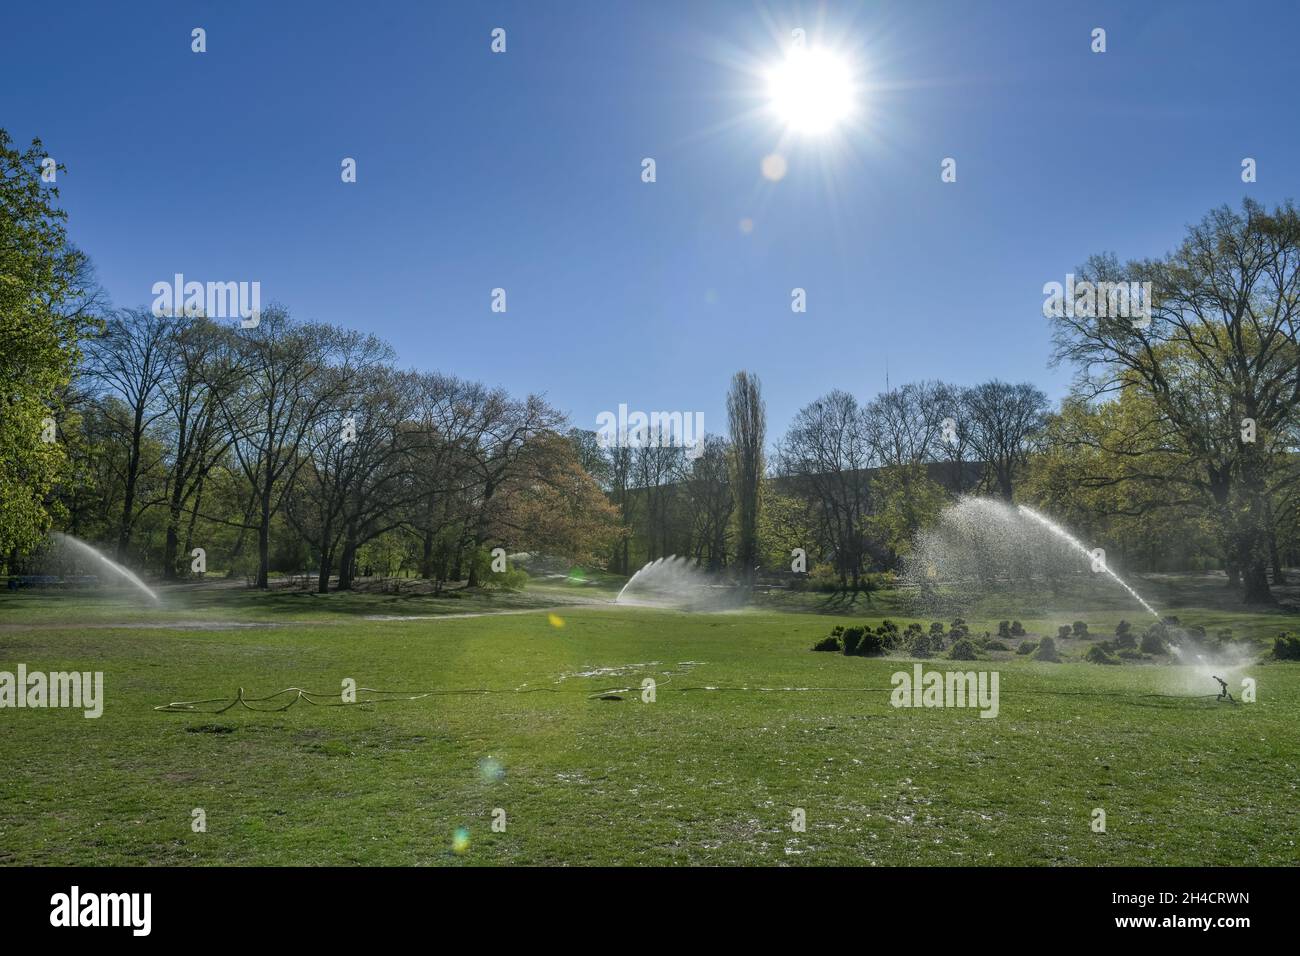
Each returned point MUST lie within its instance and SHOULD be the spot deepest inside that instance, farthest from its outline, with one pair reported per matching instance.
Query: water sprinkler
(1223, 689)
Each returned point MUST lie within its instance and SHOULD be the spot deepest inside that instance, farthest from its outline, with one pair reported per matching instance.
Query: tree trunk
(1253, 570)
(347, 564)
(1255, 588)
(326, 566)
(264, 541)
(171, 547)
(1275, 558)
(1274, 554)
(426, 557)
(128, 498)
(194, 517)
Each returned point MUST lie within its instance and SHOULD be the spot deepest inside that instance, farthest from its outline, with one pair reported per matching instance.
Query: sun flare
(811, 91)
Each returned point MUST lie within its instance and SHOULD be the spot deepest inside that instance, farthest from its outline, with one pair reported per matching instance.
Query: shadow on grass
(289, 602)
(233, 602)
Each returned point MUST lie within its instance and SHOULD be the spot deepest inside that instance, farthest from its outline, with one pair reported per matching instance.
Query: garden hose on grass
(241, 699)
(311, 697)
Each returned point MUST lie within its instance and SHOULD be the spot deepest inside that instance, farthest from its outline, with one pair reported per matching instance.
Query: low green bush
(1286, 647)
(963, 650)
(872, 644)
(1153, 641)
(1046, 651)
(920, 646)
(1097, 655)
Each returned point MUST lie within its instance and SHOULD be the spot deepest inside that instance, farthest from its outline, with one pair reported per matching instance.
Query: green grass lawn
(748, 724)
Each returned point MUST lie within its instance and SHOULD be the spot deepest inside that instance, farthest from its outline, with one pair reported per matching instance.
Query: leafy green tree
(1219, 352)
(905, 500)
(47, 299)
(1112, 472)
(786, 522)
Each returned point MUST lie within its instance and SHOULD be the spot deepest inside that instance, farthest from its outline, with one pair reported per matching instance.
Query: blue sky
(522, 171)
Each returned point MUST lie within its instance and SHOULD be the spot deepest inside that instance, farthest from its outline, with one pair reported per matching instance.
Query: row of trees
(294, 444)
(1177, 447)
(850, 483)
(862, 479)
(186, 433)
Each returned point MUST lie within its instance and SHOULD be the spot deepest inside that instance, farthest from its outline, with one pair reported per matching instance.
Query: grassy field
(748, 724)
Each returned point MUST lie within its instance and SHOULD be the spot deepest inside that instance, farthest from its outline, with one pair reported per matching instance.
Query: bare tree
(710, 502)
(200, 367)
(1001, 424)
(357, 482)
(620, 491)
(293, 375)
(906, 423)
(826, 454)
(129, 361)
(446, 422)
(952, 445)
(657, 468)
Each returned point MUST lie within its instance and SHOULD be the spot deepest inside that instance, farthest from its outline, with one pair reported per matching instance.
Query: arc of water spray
(644, 568)
(672, 582)
(671, 567)
(113, 566)
(1078, 545)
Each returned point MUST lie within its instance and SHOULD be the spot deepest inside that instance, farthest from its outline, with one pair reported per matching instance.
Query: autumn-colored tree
(550, 503)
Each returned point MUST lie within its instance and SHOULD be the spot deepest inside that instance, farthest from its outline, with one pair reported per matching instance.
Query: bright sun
(811, 91)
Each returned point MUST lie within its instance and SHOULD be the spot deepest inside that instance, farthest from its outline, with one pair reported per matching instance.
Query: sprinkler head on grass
(1223, 688)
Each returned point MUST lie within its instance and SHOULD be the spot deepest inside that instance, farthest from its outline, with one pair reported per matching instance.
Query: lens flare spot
(490, 770)
(460, 841)
(774, 167)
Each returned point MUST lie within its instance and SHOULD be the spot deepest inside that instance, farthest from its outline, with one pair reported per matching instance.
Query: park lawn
(231, 602)
(699, 776)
